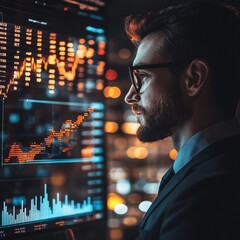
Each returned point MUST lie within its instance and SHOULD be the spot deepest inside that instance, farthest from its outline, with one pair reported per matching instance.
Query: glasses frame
(138, 86)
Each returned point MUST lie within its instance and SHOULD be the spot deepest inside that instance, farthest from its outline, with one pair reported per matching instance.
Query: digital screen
(52, 155)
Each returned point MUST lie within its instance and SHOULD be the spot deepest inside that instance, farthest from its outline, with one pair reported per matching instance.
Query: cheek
(149, 102)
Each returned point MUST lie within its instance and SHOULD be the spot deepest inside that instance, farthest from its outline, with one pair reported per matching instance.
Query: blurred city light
(137, 152)
(151, 188)
(111, 75)
(114, 200)
(112, 92)
(144, 206)
(120, 209)
(130, 221)
(130, 127)
(173, 154)
(111, 127)
(123, 186)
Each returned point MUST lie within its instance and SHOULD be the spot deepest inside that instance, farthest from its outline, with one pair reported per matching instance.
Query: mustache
(136, 109)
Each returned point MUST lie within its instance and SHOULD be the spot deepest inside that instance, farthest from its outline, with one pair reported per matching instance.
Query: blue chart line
(58, 209)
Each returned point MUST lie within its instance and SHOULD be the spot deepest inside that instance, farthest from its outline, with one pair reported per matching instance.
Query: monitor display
(52, 63)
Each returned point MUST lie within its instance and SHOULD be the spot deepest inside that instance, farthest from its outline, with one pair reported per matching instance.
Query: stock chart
(52, 118)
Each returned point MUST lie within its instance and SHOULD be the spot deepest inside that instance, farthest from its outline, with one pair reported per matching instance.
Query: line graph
(54, 140)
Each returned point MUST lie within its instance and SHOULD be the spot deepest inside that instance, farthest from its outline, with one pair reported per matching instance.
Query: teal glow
(74, 104)
(93, 133)
(97, 150)
(14, 118)
(98, 105)
(98, 115)
(17, 201)
(94, 30)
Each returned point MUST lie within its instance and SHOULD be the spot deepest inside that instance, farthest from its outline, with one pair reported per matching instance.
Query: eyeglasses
(136, 81)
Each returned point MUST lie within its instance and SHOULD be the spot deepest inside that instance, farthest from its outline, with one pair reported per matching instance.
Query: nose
(132, 97)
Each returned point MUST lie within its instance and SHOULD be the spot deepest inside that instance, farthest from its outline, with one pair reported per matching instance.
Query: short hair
(198, 30)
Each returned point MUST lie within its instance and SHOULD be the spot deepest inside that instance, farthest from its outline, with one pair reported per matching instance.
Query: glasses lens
(136, 80)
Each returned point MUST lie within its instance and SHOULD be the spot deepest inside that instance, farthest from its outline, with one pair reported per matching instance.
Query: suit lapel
(176, 179)
(203, 156)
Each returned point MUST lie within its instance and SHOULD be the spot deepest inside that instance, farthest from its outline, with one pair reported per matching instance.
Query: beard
(168, 113)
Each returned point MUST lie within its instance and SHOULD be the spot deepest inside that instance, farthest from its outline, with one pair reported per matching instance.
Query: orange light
(114, 92)
(137, 152)
(101, 52)
(70, 45)
(99, 85)
(111, 92)
(106, 92)
(91, 42)
(111, 127)
(62, 43)
(80, 86)
(113, 200)
(130, 127)
(173, 154)
(87, 152)
(81, 40)
(90, 53)
(130, 221)
(61, 83)
(130, 152)
(141, 152)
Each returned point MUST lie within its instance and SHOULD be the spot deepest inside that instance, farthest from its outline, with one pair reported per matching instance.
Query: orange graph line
(22, 156)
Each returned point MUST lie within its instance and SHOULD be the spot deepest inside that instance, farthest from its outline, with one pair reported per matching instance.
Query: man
(186, 84)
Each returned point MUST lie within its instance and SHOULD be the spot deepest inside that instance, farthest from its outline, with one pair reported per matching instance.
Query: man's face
(159, 107)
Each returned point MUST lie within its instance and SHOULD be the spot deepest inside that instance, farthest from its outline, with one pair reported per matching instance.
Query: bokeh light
(111, 127)
(130, 127)
(124, 53)
(112, 92)
(130, 221)
(123, 186)
(137, 152)
(173, 154)
(120, 209)
(144, 206)
(111, 75)
(113, 200)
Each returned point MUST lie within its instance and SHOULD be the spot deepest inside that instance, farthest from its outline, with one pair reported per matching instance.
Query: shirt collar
(203, 139)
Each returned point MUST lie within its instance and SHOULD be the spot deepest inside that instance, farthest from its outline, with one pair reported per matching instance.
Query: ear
(197, 74)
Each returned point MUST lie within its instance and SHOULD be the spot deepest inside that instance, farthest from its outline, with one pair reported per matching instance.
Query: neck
(195, 123)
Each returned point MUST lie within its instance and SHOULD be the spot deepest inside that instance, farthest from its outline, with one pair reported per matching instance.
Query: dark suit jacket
(201, 201)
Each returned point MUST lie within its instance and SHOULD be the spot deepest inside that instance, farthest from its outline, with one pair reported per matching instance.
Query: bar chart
(41, 209)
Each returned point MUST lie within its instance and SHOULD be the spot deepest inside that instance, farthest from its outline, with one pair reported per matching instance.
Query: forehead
(149, 49)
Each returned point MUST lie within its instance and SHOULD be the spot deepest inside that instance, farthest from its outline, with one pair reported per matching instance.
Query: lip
(136, 110)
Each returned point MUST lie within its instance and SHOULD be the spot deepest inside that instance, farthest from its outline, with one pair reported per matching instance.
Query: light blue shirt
(203, 139)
